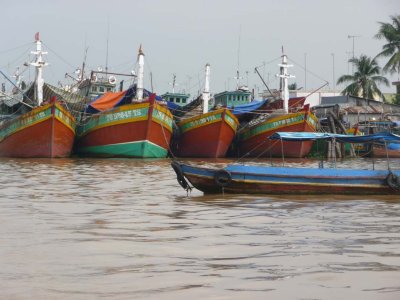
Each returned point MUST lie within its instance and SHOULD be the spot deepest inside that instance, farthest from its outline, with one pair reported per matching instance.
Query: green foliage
(364, 82)
(397, 99)
(391, 33)
(293, 86)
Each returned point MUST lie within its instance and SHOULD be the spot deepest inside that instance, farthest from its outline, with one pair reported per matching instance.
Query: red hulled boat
(295, 117)
(126, 124)
(209, 134)
(42, 130)
(45, 131)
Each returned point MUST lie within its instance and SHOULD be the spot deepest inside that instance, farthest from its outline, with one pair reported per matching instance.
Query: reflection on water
(124, 229)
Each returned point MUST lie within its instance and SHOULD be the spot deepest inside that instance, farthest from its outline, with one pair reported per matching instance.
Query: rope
(55, 53)
(165, 137)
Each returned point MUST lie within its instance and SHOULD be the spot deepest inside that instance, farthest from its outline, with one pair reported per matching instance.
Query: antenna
(84, 62)
(108, 35)
(238, 59)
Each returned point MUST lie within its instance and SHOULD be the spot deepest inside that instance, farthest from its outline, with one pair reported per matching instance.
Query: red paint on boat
(211, 140)
(49, 138)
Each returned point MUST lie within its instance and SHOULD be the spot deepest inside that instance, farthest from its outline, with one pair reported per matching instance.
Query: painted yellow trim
(297, 183)
(214, 112)
(232, 116)
(27, 126)
(164, 125)
(66, 124)
(280, 118)
(65, 111)
(163, 109)
(306, 183)
(144, 118)
(129, 107)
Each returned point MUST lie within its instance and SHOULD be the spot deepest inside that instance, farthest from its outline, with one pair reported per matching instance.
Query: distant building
(233, 98)
(353, 110)
(313, 98)
(180, 99)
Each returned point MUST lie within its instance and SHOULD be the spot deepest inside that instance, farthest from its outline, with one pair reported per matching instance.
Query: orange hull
(208, 135)
(255, 143)
(132, 130)
(47, 131)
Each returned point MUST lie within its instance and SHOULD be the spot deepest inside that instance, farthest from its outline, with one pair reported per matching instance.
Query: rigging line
(15, 60)
(122, 64)
(269, 62)
(62, 59)
(308, 71)
(5, 76)
(15, 48)
(165, 137)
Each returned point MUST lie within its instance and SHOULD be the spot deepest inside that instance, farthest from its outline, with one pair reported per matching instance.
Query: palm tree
(292, 86)
(391, 33)
(365, 79)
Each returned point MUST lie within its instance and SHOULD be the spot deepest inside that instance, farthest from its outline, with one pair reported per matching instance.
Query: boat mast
(140, 78)
(284, 76)
(18, 78)
(206, 92)
(39, 64)
(173, 83)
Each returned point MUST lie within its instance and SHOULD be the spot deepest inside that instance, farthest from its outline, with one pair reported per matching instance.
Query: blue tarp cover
(249, 107)
(307, 136)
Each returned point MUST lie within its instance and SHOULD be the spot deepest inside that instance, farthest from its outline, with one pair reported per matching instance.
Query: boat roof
(248, 107)
(307, 136)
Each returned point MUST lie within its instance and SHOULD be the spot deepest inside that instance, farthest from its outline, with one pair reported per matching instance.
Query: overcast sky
(180, 37)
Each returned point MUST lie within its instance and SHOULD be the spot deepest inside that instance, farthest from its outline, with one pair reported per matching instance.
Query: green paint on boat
(139, 149)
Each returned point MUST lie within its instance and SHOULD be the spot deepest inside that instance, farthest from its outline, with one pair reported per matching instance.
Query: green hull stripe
(140, 149)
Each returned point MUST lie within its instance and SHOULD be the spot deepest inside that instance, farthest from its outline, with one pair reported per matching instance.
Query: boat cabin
(180, 99)
(94, 88)
(233, 98)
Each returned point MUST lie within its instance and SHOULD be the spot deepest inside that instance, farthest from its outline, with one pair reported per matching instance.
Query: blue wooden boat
(249, 179)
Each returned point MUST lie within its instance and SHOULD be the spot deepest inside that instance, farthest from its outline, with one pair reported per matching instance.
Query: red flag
(36, 36)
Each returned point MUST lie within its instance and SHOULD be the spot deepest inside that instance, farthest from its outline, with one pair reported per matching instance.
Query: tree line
(364, 81)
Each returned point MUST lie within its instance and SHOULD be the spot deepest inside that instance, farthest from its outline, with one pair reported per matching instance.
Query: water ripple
(123, 229)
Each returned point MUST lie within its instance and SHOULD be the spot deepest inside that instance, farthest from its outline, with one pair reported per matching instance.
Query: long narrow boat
(44, 129)
(288, 180)
(390, 150)
(208, 134)
(125, 124)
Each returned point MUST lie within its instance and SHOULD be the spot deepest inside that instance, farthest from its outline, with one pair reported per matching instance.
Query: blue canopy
(249, 107)
(172, 105)
(307, 136)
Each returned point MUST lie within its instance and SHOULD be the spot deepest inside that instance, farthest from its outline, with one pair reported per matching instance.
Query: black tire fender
(222, 178)
(393, 181)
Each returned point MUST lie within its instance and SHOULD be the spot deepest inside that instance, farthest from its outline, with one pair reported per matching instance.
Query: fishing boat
(253, 137)
(378, 149)
(249, 179)
(44, 128)
(208, 134)
(129, 123)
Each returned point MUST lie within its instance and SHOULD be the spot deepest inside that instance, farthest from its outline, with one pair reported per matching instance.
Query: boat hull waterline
(47, 131)
(141, 130)
(287, 180)
(254, 141)
(208, 135)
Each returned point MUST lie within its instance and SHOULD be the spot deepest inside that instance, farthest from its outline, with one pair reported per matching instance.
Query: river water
(124, 229)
